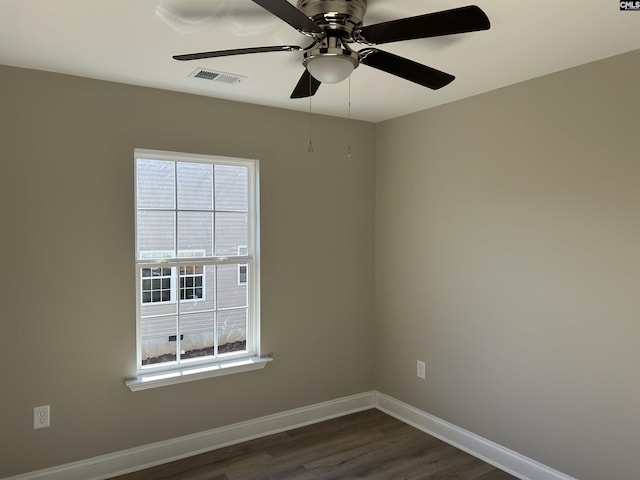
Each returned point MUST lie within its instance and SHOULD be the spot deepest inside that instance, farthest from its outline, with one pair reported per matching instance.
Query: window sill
(161, 379)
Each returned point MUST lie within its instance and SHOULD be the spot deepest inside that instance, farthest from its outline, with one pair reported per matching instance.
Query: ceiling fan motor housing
(339, 17)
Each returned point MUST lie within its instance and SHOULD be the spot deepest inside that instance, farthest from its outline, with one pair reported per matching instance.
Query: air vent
(213, 76)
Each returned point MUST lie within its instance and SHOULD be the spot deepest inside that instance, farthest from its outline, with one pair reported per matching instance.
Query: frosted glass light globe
(330, 69)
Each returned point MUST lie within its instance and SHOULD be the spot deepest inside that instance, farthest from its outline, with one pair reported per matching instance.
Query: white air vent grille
(214, 76)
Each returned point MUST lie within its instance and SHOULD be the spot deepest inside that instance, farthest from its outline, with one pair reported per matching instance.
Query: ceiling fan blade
(237, 51)
(446, 22)
(290, 14)
(405, 68)
(307, 86)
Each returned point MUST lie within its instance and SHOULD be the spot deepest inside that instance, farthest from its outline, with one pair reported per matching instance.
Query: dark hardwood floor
(368, 444)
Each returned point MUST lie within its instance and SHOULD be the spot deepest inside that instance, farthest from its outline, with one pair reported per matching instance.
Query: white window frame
(195, 369)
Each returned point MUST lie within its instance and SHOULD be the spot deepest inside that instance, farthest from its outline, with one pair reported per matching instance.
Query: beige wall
(68, 306)
(507, 234)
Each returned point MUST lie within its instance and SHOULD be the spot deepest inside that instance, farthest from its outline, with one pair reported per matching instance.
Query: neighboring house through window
(196, 259)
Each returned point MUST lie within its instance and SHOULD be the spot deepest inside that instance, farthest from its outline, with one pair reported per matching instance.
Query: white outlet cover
(421, 368)
(41, 417)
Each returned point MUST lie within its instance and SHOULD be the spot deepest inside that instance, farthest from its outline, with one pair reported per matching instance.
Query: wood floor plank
(369, 444)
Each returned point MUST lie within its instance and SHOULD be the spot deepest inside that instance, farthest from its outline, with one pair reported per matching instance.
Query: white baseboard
(511, 462)
(125, 461)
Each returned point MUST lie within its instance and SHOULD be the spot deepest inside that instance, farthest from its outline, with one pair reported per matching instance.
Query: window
(156, 285)
(196, 260)
(242, 274)
(191, 282)
(242, 269)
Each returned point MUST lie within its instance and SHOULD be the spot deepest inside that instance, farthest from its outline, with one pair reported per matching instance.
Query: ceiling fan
(334, 24)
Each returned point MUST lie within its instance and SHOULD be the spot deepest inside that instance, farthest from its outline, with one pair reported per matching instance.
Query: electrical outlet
(41, 417)
(421, 370)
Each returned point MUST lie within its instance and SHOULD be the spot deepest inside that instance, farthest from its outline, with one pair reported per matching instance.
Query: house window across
(242, 269)
(191, 282)
(156, 285)
(197, 262)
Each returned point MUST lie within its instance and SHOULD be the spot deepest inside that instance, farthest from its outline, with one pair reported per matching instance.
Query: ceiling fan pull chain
(350, 128)
(310, 147)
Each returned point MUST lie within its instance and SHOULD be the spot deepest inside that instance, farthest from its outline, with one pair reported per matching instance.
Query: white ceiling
(132, 41)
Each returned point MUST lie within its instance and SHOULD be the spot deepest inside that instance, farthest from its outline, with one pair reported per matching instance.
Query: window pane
(156, 184)
(195, 186)
(195, 234)
(232, 331)
(231, 188)
(204, 283)
(151, 309)
(158, 344)
(231, 232)
(231, 293)
(197, 335)
(190, 283)
(156, 231)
